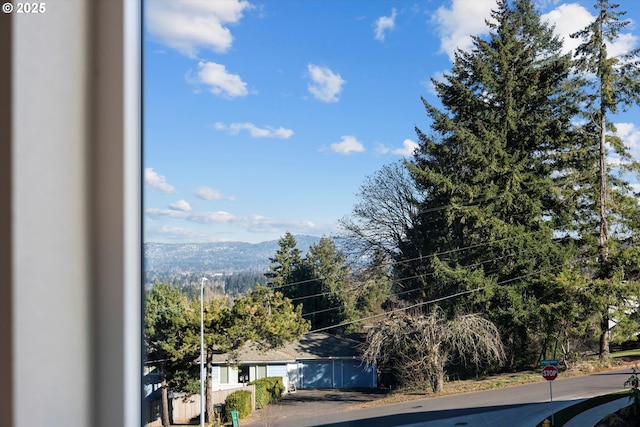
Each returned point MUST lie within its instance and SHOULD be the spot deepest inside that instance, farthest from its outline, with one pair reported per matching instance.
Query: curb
(592, 416)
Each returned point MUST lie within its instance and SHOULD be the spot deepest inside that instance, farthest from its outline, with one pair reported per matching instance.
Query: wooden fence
(184, 408)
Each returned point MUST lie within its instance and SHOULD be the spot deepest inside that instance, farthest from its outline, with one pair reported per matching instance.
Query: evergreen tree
(165, 323)
(489, 178)
(608, 205)
(318, 282)
(372, 286)
(325, 296)
(263, 317)
(288, 258)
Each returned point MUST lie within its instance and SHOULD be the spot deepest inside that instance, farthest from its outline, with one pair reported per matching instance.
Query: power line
(439, 299)
(424, 275)
(421, 288)
(425, 257)
(433, 301)
(432, 255)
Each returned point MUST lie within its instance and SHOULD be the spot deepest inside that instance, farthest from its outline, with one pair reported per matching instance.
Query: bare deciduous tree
(417, 348)
(386, 209)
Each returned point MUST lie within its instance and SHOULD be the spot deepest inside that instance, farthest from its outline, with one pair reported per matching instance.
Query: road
(523, 405)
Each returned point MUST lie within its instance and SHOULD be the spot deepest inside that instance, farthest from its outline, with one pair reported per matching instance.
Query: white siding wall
(293, 373)
(215, 374)
(279, 371)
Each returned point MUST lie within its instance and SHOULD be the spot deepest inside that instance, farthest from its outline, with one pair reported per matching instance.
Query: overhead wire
(424, 275)
(422, 258)
(439, 299)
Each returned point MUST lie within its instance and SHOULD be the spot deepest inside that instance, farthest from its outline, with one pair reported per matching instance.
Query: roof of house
(313, 345)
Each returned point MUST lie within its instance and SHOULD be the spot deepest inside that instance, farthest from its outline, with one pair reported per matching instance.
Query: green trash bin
(235, 418)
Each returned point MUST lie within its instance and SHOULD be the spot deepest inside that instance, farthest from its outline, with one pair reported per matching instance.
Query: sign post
(550, 373)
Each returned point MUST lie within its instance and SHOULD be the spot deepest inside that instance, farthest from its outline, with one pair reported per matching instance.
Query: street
(523, 405)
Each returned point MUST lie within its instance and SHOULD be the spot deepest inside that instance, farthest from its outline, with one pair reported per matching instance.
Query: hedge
(268, 389)
(238, 401)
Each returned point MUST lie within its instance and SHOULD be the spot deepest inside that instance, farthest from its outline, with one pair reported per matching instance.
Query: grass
(626, 353)
(618, 359)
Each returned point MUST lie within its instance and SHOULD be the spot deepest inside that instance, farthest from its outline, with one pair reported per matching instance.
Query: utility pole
(202, 376)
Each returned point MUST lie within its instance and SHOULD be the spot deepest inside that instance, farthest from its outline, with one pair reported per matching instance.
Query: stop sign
(550, 373)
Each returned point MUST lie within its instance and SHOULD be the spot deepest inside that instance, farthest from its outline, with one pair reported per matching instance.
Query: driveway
(314, 403)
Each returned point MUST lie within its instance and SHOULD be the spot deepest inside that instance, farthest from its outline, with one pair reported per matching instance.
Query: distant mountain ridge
(215, 257)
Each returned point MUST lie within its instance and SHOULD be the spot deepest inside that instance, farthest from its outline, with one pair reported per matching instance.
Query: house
(316, 360)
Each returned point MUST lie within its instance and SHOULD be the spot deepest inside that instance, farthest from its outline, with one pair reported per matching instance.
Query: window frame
(71, 239)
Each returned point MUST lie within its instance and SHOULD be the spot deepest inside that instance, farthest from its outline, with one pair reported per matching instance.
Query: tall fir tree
(609, 208)
(326, 298)
(372, 286)
(489, 177)
(284, 264)
(318, 282)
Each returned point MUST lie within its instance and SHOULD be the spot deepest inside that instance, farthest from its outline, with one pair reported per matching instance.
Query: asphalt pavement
(593, 415)
(523, 405)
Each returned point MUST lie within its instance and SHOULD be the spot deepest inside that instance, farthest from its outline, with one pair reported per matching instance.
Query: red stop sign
(550, 373)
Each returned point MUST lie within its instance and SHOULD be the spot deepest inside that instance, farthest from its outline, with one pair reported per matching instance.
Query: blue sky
(262, 117)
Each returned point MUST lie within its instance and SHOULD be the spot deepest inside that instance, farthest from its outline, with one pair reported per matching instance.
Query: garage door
(356, 375)
(336, 374)
(317, 375)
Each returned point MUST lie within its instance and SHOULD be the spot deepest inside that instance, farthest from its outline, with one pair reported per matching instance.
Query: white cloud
(385, 23)
(252, 223)
(180, 205)
(381, 149)
(177, 233)
(349, 144)
(325, 84)
(568, 18)
(255, 131)
(207, 193)
(464, 18)
(212, 217)
(572, 17)
(201, 217)
(156, 213)
(629, 133)
(220, 81)
(623, 45)
(408, 148)
(262, 224)
(189, 25)
(158, 182)
(456, 24)
(438, 76)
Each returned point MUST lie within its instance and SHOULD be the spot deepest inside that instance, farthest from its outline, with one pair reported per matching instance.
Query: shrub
(262, 394)
(634, 395)
(275, 387)
(238, 401)
(268, 389)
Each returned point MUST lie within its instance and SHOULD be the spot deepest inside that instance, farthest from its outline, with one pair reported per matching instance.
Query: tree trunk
(209, 396)
(604, 224)
(604, 339)
(437, 381)
(436, 371)
(604, 229)
(166, 422)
